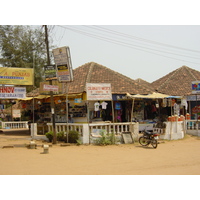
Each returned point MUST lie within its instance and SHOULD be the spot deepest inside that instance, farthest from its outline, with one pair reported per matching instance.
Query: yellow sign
(16, 76)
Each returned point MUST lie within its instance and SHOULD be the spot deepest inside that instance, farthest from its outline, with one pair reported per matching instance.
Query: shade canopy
(154, 95)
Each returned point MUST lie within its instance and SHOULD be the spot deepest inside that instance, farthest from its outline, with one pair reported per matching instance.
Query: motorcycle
(149, 138)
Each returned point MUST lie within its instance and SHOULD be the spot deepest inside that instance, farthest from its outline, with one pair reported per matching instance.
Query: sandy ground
(179, 157)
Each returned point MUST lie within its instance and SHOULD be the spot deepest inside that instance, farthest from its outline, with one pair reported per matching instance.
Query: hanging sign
(196, 87)
(16, 76)
(98, 91)
(12, 92)
(44, 89)
(77, 101)
(16, 113)
(63, 73)
(50, 72)
(53, 88)
(63, 63)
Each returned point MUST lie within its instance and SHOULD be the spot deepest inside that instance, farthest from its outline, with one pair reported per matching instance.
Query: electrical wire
(159, 50)
(141, 39)
(122, 43)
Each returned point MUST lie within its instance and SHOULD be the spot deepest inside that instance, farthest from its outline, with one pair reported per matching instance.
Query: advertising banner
(50, 72)
(53, 88)
(63, 63)
(98, 91)
(16, 113)
(12, 92)
(196, 87)
(63, 73)
(58, 87)
(16, 76)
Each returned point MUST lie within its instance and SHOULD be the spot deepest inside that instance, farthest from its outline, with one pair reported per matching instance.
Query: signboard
(193, 98)
(54, 83)
(12, 92)
(50, 72)
(119, 97)
(63, 73)
(63, 63)
(127, 138)
(77, 101)
(98, 91)
(16, 76)
(16, 113)
(53, 88)
(196, 87)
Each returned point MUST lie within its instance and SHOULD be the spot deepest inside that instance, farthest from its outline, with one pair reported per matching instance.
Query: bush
(105, 139)
(73, 136)
(49, 135)
(61, 136)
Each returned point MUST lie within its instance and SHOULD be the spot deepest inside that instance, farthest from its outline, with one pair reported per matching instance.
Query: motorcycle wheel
(154, 143)
(143, 141)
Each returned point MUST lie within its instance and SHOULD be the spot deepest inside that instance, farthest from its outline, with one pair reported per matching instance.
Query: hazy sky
(140, 39)
(137, 51)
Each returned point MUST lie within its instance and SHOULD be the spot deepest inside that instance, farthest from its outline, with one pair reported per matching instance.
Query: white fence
(86, 130)
(14, 125)
(193, 127)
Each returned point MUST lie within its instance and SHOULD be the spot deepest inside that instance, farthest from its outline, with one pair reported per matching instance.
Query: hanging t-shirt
(96, 106)
(104, 105)
(117, 106)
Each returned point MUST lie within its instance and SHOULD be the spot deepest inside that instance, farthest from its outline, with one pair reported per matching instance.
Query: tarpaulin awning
(174, 97)
(154, 95)
(47, 96)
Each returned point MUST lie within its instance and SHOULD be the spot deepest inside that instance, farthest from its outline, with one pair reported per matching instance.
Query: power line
(144, 40)
(161, 50)
(137, 47)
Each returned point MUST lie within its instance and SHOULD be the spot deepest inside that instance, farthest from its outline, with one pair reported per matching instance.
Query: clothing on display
(96, 106)
(117, 106)
(104, 105)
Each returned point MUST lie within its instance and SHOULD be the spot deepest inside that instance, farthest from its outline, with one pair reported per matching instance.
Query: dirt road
(170, 158)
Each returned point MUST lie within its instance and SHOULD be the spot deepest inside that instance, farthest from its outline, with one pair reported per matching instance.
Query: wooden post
(51, 93)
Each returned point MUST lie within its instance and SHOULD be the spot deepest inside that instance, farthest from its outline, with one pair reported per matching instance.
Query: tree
(23, 46)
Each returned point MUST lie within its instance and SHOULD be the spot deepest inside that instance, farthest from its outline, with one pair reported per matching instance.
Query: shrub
(49, 135)
(105, 139)
(73, 136)
(61, 136)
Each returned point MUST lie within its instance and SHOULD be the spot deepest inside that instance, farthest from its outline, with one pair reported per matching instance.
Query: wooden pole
(113, 118)
(51, 92)
(67, 113)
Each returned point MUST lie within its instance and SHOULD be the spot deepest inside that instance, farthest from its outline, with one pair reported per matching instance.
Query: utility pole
(51, 92)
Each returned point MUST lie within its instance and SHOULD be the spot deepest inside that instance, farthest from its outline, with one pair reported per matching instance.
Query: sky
(139, 39)
(148, 52)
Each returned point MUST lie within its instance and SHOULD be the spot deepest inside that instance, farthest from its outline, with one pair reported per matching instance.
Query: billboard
(195, 87)
(63, 63)
(12, 92)
(98, 91)
(16, 76)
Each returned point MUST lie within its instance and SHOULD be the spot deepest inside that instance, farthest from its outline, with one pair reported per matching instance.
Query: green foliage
(73, 136)
(61, 136)
(23, 46)
(78, 142)
(49, 135)
(105, 139)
